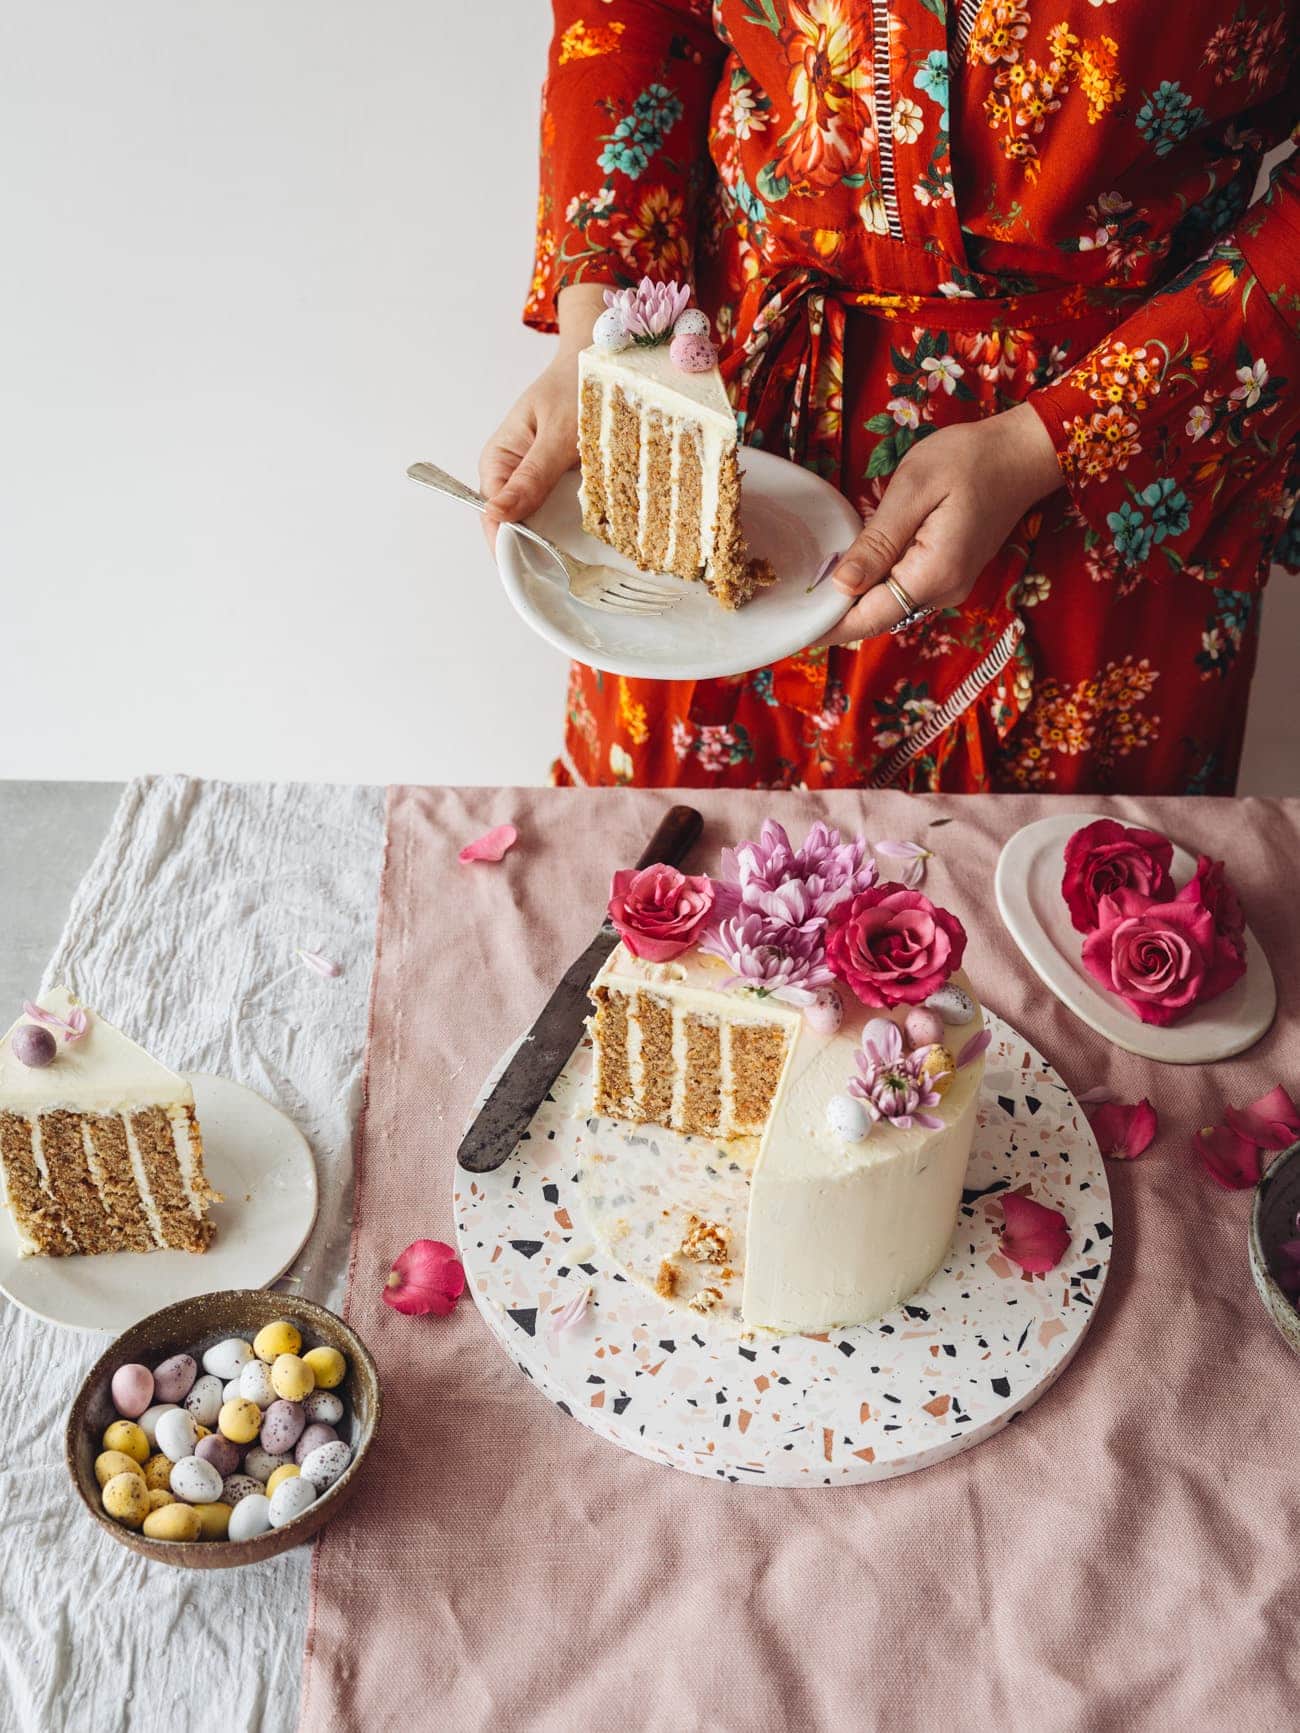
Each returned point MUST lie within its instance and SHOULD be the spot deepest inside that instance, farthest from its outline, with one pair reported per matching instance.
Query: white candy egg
(326, 1463)
(251, 1516)
(290, 1499)
(148, 1421)
(877, 1030)
(230, 1392)
(255, 1384)
(325, 1406)
(608, 332)
(694, 322)
(262, 1464)
(227, 1359)
(204, 1400)
(953, 1005)
(196, 1481)
(846, 1118)
(176, 1435)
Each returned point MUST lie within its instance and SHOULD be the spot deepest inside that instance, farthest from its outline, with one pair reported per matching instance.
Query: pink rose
(1104, 858)
(1209, 886)
(658, 911)
(891, 946)
(1161, 958)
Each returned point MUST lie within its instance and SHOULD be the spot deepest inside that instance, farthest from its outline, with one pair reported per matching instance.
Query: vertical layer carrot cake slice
(100, 1148)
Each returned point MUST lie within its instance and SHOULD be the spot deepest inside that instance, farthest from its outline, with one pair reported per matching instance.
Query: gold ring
(901, 596)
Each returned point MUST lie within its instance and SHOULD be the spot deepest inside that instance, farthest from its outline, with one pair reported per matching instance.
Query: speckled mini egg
(292, 1378)
(132, 1390)
(214, 1520)
(177, 1434)
(240, 1421)
(846, 1118)
(692, 354)
(922, 1027)
(939, 1066)
(195, 1481)
(290, 1499)
(255, 1384)
(205, 1399)
(220, 1452)
(262, 1464)
(283, 1425)
(160, 1496)
(149, 1421)
(952, 1004)
(876, 1030)
(318, 1433)
(326, 1463)
(111, 1462)
(288, 1471)
(237, 1487)
(173, 1380)
(158, 1470)
(226, 1360)
(694, 322)
(328, 1366)
(251, 1516)
(609, 333)
(275, 1339)
(324, 1405)
(130, 1439)
(826, 1012)
(126, 1499)
(174, 1522)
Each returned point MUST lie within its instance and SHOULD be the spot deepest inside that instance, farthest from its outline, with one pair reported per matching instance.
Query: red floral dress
(908, 213)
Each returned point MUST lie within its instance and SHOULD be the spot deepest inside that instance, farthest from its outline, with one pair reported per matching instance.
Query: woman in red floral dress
(990, 269)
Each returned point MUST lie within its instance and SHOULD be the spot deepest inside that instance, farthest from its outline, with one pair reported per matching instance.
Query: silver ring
(911, 613)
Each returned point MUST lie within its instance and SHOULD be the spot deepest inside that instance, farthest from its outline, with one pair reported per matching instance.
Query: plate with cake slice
(665, 487)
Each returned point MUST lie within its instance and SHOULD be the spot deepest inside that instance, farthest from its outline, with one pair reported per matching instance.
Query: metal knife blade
(523, 1085)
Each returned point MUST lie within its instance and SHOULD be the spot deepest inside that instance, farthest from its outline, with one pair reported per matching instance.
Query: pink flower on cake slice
(1161, 958)
(1105, 858)
(828, 868)
(892, 1083)
(892, 946)
(659, 912)
(649, 312)
(775, 959)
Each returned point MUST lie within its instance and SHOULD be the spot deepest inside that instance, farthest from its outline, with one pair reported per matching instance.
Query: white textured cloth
(184, 932)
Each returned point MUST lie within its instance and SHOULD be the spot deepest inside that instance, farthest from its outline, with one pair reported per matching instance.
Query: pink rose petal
(1230, 1160)
(427, 1277)
(974, 1047)
(571, 1313)
(1124, 1132)
(493, 845)
(1035, 1237)
(1272, 1122)
(322, 965)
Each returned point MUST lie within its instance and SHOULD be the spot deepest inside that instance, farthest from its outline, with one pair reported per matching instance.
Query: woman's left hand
(949, 507)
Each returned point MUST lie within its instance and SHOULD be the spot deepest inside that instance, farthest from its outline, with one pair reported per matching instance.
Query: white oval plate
(260, 1162)
(1028, 885)
(790, 516)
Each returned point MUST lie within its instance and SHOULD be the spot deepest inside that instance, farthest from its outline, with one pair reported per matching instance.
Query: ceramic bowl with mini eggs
(199, 1366)
(1273, 1222)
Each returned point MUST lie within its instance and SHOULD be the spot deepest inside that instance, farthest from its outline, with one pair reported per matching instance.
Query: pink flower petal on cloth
(1230, 1160)
(325, 966)
(571, 1313)
(427, 1277)
(1034, 1236)
(1124, 1132)
(900, 850)
(493, 845)
(1271, 1122)
(1096, 1095)
(974, 1047)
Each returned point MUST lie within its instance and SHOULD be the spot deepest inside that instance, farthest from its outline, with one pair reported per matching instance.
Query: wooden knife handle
(678, 832)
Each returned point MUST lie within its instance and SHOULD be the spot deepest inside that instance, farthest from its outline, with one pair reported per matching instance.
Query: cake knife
(542, 1054)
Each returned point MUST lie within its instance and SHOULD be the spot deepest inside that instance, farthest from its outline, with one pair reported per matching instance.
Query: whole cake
(99, 1144)
(798, 1002)
(657, 442)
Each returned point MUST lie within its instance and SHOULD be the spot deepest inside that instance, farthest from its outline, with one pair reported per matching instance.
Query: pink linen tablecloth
(1124, 1556)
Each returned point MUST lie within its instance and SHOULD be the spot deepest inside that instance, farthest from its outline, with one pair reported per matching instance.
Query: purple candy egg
(692, 353)
(220, 1452)
(922, 1028)
(132, 1390)
(173, 1379)
(34, 1046)
(282, 1426)
(317, 1433)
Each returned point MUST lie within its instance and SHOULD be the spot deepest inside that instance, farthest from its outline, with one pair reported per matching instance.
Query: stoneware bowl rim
(1279, 1308)
(164, 1332)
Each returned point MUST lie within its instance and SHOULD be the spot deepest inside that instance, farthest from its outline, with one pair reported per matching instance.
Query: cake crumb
(704, 1242)
(667, 1279)
(705, 1300)
(620, 1230)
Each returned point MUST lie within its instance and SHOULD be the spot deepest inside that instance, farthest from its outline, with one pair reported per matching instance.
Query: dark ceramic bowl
(1272, 1221)
(191, 1327)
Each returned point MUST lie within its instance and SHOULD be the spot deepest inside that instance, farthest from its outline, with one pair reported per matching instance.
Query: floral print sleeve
(625, 115)
(1163, 425)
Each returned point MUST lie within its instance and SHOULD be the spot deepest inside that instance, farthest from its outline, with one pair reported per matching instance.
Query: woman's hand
(949, 507)
(538, 440)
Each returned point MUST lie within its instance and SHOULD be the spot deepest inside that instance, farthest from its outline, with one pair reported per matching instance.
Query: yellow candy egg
(329, 1366)
(240, 1421)
(126, 1436)
(201, 1432)
(158, 1470)
(126, 1499)
(939, 1066)
(292, 1379)
(214, 1520)
(173, 1522)
(111, 1462)
(286, 1471)
(272, 1340)
(161, 1495)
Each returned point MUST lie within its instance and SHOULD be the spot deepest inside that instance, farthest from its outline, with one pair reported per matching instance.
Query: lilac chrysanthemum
(784, 962)
(826, 868)
(891, 1082)
(649, 311)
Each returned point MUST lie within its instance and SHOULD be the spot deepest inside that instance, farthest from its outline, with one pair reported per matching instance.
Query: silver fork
(593, 586)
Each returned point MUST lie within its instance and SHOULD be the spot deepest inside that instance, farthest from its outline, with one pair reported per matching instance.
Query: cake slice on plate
(657, 440)
(100, 1148)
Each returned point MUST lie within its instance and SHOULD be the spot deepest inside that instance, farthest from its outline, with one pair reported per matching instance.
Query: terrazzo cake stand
(586, 1203)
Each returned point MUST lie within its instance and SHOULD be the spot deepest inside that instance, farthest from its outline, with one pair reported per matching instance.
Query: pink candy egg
(282, 1426)
(922, 1028)
(826, 1012)
(132, 1390)
(317, 1433)
(692, 353)
(220, 1452)
(172, 1380)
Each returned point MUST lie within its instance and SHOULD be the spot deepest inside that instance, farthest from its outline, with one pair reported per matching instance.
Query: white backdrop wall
(258, 259)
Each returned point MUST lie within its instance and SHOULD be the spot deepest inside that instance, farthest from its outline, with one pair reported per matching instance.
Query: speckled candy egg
(262, 1464)
(160, 1496)
(826, 1012)
(952, 1004)
(130, 1439)
(251, 1516)
(316, 1434)
(237, 1487)
(283, 1425)
(922, 1027)
(196, 1482)
(150, 1418)
(328, 1366)
(173, 1380)
(158, 1471)
(326, 1463)
(846, 1118)
(220, 1452)
(126, 1499)
(226, 1360)
(177, 1434)
(692, 354)
(290, 1499)
(204, 1400)
(173, 1522)
(324, 1405)
(240, 1421)
(255, 1384)
(289, 1471)
(132, 1390)
(275, 1339)
(694, 322)
(609, 334)
(292, 1378)
(111, 1462)
(939, 1066)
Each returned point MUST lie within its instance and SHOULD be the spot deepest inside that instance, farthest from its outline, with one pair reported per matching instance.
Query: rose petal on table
(1271, 1122)
(493, 845)
(1034, 1236)
(1123, 1131)
(325, 966)
(570, 1314)
(427, 1277)
(1231, 1160)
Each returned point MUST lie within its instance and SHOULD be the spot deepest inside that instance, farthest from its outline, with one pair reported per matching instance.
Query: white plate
(262, 1164)
(791, 517)
(1028, 884)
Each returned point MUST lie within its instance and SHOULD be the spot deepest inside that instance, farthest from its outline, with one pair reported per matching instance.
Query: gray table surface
(49, 832)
